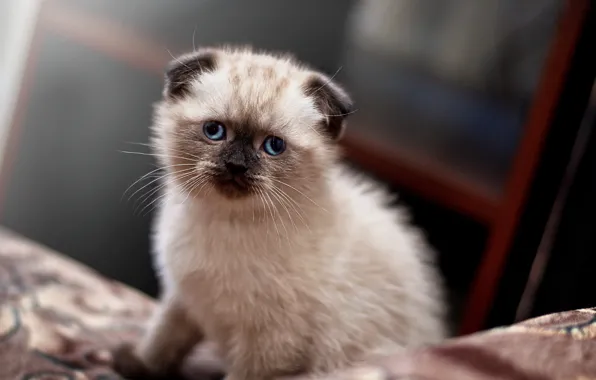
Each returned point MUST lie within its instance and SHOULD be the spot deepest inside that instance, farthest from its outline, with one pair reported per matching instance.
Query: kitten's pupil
(274, 145)
(214, 130)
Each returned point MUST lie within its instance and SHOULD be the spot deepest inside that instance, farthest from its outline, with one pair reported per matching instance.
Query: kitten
(264, 244)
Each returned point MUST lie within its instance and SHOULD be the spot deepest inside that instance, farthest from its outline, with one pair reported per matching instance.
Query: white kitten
(264, 244)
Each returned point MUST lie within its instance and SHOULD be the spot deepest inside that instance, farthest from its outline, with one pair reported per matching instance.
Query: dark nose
(236, 168)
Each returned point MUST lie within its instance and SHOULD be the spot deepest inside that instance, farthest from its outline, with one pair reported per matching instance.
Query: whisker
(282, 203)
(164, 194)
(342, 114)
(253, 209)
(270, 210)
(191, 185)
(144, 198)
(328, 81)
(152, 203)
(291, 203)
(148, 184)
(148, 174)
(155, 155)
(138, 180)
(159, 178)
(187, 183)
(187, 187)
(278, 214)
(157, 188)
(178, 60)
(300, 192)
(141, 144)
(168, 148)
(198, 191)
(194, 48)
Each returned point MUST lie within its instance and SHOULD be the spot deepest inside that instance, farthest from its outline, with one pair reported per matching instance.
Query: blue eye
(274, 146)
(214, 131)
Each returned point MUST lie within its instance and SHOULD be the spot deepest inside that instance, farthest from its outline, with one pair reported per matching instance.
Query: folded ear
(332, 101)
(183, 70)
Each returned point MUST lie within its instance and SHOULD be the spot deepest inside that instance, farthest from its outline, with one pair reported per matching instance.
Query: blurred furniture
(552, 128)
(562, 232)
(59, 319)
(480, 164)
(464, 142)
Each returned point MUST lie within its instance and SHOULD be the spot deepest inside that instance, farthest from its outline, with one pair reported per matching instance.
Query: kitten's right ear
(183, 70)
(332, 101)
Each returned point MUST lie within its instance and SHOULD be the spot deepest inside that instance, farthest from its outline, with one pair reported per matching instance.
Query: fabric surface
(58, 320)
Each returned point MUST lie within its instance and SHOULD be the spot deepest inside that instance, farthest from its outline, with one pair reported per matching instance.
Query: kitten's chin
(233, 188)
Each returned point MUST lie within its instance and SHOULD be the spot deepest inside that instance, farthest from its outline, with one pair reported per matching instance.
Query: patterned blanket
(59, 319)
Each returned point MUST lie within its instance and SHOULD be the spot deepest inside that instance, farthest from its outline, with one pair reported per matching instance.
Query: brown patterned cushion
(58, 320)
(57, 317)
(558, 346)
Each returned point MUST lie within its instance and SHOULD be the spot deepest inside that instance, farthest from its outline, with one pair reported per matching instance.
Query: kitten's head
(246, 124)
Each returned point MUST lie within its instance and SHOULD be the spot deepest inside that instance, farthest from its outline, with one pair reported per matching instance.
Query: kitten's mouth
(233, 186)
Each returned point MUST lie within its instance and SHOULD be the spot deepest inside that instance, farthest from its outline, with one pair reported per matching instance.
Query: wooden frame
(524, 166)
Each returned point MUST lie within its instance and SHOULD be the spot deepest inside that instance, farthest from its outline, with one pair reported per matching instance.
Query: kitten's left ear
(183, 70)
(332, 101)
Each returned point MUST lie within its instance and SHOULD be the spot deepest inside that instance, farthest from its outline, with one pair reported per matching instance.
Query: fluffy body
(308, 270)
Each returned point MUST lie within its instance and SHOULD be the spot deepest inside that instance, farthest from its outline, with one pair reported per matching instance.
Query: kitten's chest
(237, 280)
(228, 262)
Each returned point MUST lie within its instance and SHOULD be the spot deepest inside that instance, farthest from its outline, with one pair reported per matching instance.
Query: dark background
(453, 102)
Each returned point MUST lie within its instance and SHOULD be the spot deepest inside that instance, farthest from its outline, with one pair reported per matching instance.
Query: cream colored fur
(325, 275)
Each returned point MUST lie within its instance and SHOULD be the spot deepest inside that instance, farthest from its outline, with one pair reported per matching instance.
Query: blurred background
(476, 112)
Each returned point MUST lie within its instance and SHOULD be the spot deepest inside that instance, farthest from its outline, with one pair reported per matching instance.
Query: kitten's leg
(277, 353)
(170, 337)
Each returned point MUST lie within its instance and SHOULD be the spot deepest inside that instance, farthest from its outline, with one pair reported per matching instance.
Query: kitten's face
(240, 125)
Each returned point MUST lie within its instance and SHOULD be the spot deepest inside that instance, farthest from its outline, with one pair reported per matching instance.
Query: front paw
(129, 365)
